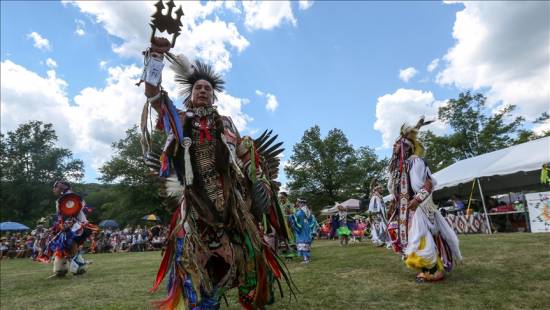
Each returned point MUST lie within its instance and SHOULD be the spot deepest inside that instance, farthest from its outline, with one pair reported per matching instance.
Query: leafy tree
(369, 168)
(30, 162)
(328, 170)
(525, 135)
(136, 191)
(474, 132)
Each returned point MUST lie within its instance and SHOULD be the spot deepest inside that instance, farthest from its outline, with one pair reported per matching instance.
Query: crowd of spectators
(130, 239)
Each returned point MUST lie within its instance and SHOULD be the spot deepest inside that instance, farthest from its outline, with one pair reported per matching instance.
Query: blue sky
(335, 64)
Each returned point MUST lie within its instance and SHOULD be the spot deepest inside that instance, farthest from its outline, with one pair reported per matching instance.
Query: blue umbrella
(108, 224)
(5, 226)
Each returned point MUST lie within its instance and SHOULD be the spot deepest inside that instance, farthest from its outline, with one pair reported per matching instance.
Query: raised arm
(152, 73)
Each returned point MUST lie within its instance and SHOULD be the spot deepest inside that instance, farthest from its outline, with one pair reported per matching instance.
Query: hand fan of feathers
(170, 188)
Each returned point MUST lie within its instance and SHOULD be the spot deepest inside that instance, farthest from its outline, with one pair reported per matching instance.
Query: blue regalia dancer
(305, 228)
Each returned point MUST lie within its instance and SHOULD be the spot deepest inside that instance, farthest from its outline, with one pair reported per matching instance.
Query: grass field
(502, 271)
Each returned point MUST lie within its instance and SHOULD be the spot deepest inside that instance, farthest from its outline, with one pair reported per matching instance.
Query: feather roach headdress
(187, 74)
(409, 132)
(374, 185)
(408, 143)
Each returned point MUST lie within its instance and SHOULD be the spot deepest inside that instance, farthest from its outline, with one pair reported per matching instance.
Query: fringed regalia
(423, 237)
(344, 231)
(223, 193)
(69, 232)
(287, 248)
(377, 214)
(305, 227)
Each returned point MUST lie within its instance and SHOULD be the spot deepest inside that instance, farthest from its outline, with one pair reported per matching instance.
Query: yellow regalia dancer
(423, 237)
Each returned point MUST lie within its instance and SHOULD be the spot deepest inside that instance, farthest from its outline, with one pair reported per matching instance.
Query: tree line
(323, 170)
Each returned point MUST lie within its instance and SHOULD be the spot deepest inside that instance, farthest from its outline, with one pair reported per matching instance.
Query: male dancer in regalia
(427, 243)
(221, 187)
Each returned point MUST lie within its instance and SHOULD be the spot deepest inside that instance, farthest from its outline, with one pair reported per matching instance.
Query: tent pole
(487, 221)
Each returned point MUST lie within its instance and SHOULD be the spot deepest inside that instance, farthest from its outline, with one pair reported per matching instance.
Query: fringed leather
(167, 258)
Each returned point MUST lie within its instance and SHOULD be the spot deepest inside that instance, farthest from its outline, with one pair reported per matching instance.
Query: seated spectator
(458, 205)
(3, 247)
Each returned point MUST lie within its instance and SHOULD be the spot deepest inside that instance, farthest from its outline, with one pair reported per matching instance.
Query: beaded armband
(424, 192)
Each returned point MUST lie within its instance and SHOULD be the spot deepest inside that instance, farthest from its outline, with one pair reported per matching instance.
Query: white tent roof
(525, 157)
(350, 204)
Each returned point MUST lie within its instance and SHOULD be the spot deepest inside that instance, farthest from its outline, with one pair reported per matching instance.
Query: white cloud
(541, 128)
(405, 106)
(503, 47)
(433, 65)
(267, 14)
(98, 117)
(40, 42)
(232, 7)
(51, 63)
(211, 40)
(406, 74)
(45, 100)
(232, 107)
(305, 4)
(80, 27)
(272, 103)
(271, 100)
(103, 64)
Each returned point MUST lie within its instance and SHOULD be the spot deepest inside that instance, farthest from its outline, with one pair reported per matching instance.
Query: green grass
(503, 271)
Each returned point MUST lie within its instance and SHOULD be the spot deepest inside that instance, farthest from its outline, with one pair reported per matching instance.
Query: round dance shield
(69, 204)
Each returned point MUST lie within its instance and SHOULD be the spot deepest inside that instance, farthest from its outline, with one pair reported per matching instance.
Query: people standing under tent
(458, 204)
(224, 188)
(70, 230)
(377, 213)
(304, 225)
(343, 231)
(426, 241)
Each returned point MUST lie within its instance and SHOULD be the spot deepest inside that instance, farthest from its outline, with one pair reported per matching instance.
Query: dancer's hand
(413, 204)
(160, 45)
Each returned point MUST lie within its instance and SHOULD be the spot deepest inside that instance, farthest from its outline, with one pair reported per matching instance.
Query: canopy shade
(514, 168)
(351, 204)
(12, 226)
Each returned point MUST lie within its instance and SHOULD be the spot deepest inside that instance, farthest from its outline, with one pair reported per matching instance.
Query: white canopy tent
(352, 205)
(512, 167)
(516, 168)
